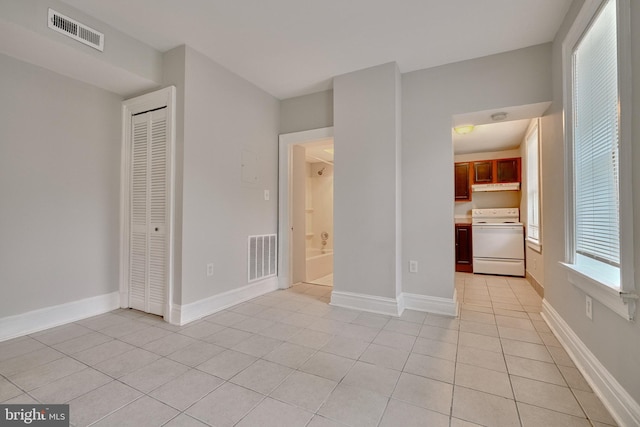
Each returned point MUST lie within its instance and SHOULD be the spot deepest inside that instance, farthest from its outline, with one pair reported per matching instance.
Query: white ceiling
(489, 135)
(295, 47)
(316, 151)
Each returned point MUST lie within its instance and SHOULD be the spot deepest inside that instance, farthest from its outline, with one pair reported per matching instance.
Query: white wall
(224, 114)
(429, 99)
(59, 188)
(366, 139)
(306, 112)
(613, 340)
(126, 66)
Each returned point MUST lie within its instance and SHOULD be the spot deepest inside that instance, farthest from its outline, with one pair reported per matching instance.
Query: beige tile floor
(289, 359)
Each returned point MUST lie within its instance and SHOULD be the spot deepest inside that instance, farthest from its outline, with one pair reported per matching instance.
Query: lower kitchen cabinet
(464, 248)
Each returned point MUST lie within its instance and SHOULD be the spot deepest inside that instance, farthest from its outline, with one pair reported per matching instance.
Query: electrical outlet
(209, 269)
(266, 194)
(589, 307)
(413, 266)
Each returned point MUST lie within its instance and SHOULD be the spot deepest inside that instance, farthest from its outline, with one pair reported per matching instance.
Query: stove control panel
(496, 214)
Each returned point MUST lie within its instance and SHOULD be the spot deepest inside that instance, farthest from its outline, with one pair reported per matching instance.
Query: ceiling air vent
(74, 29)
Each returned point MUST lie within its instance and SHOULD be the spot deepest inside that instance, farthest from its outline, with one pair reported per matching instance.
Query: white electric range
(498, 241)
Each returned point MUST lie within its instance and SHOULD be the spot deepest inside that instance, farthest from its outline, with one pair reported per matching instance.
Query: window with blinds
(596, 140)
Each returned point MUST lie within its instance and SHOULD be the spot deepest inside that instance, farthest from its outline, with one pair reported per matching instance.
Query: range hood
(507, 186)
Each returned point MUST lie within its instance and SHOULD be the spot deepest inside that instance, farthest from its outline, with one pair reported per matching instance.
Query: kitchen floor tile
(481, 379)
(533, 416)
(304, 390)
(546, 395)
(400, 413)
(227, 364)
(290, 355)
(430, 367)
(273, 413)
(327, 365)
(262, 376)
(483, 408)
(140, 413)
(376, 378)
(102, 401)
(424, 392)
(181, 392)
(385, 356)
(354, 406)
(225, 406)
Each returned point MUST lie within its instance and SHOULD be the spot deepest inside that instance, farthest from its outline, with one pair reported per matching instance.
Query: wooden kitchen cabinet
(483, 172)
(508, 170)
(497, 171)
(464, 248)
(463, 182)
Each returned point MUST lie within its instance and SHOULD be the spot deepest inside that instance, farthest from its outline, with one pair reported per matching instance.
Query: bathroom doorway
(318, 208)
(306, 239)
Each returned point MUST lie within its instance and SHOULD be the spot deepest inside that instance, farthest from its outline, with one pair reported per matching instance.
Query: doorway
(318, 210)
(306, 208)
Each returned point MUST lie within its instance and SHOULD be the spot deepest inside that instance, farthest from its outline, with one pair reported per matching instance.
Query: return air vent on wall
(263, 257)
(74, 29)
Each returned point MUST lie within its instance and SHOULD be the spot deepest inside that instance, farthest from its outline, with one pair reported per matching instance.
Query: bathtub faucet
(324, 236)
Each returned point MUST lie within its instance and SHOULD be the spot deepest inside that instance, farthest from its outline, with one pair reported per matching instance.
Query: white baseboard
(49, 317)
(189, 312)
(370, 303)
(623, 408)
(395, 307)
(436, 305)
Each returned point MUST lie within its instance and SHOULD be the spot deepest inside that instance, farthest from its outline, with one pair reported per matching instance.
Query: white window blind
(595, 92)
(533, 186)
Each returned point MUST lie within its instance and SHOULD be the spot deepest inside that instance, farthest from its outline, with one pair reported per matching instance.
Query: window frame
(532, 243)
(621, 298)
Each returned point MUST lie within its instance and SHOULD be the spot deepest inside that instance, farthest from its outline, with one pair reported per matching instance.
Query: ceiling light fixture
(328, 150)
(463, 129)
(498, 117)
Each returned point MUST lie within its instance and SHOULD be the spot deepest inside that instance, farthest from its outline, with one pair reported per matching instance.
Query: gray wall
(173, 64)
(366, 139)
(429, 99)
(306, 112)
(613, 340)
(224, 114)
(59, 188)
(125, 66)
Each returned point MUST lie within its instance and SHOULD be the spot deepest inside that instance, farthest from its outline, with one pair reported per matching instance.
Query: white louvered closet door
(148, 239)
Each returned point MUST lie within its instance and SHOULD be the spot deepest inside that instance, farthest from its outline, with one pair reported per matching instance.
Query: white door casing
(147, 202)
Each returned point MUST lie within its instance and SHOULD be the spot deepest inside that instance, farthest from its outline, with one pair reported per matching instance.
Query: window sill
(599, 288)
(534, 246)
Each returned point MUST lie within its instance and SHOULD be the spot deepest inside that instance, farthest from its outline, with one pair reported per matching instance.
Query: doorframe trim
(161, 98)
(286, 142)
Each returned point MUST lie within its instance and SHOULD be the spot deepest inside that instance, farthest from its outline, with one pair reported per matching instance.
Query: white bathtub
(319, 264)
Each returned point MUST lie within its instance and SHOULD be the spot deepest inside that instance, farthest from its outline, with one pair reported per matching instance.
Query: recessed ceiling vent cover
(74, 29)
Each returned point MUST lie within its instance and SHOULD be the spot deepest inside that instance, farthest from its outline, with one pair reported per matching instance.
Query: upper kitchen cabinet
(462, 182)
(483, 172)
(497, 171)
(508, 170)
